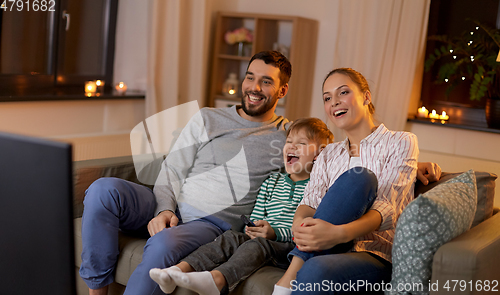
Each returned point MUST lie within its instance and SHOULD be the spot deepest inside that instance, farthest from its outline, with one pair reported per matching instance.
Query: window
(448, 17)
(55, 49)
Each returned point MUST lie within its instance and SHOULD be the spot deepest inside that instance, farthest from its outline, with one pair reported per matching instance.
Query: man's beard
(260, 110)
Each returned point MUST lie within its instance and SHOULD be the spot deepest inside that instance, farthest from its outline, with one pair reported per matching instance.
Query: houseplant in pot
(471, 58)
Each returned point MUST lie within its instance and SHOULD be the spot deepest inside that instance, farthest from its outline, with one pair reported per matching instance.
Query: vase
(492, 111)
(244, 49)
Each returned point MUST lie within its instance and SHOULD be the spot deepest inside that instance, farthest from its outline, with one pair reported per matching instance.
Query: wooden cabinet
(295, 37)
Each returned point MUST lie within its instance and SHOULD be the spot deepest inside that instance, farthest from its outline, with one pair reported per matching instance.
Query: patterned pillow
(428, 222)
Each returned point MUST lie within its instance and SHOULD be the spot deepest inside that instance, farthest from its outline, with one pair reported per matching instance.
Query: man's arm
(428, 172)
(173, 173)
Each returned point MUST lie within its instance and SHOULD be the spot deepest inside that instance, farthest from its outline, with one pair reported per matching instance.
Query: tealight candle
(433, 115)
(121, 88)
(422, 112)
(99, 86)
(444, 116)
(90, 88)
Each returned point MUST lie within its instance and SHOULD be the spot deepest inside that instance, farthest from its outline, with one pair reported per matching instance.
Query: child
(270, 240)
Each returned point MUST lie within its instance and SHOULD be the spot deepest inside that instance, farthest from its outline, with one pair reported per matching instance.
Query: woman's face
(345, 104)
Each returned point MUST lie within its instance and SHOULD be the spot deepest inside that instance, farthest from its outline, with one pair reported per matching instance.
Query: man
(211, 177)
(231, 152)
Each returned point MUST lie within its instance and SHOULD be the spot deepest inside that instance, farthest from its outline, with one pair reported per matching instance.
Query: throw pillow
(428, 222)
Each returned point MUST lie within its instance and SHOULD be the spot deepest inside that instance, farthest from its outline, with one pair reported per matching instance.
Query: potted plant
(471, 58)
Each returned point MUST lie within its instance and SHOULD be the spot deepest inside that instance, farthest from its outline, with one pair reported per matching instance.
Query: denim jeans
(344, 273)
(349, 198)
(237, 256)
(113, 205)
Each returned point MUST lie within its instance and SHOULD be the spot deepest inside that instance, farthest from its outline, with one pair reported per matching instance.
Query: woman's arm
(317, 234)
(303, 211)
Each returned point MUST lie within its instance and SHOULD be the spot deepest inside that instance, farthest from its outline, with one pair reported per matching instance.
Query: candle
(121, 88)
(444, 116)
(433, 115)
(99, 86)
(90, 88)
(422, 112)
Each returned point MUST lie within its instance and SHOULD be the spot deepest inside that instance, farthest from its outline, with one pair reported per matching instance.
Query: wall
(458, 149)
(97, 128)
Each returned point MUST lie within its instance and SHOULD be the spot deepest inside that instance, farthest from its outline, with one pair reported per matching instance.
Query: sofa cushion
(428, 222)
(485, 183)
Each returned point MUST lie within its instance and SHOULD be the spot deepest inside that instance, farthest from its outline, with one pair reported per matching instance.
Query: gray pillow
(428, 222)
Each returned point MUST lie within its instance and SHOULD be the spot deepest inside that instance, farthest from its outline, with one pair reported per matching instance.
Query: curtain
(384, 41)
(178, 43)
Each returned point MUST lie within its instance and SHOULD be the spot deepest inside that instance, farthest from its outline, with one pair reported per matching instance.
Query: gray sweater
(217, 165)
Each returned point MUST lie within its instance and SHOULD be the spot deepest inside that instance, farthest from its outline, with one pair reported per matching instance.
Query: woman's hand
(261, 229)
(316, 235)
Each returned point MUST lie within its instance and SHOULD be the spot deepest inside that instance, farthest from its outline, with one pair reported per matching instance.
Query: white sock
(163, 279)
(279, 290)
(200, 282)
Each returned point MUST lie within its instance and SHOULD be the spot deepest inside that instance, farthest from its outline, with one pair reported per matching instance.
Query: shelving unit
(296, 35)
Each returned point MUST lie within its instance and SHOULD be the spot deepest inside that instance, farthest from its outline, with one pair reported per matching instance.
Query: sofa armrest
(472, 256)
(86, 172)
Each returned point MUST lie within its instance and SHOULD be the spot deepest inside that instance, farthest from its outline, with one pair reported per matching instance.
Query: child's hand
(261, 229)
(317, 234)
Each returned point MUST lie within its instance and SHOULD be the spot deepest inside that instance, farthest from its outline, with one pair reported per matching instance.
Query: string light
(472, 58)
(454, 57)
(446, 80)
(451, 50)
(463, 78)
(472, 33)
(477, 28)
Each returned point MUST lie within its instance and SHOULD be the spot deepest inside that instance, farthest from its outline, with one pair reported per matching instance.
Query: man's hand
(317, 234)
(261, 229)
(428, 171)
(165, 219)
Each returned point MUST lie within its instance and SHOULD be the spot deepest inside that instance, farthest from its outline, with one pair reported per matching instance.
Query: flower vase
(241, 47)
(492, 112)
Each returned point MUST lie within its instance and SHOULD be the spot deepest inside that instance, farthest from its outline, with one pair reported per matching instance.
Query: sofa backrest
(485, 192)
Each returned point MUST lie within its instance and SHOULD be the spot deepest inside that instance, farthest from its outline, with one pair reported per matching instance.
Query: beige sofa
(471, 256)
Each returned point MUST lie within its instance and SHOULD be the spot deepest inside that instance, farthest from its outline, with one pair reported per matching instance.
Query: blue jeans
(344, 273)
(113, 205)
(349, 198)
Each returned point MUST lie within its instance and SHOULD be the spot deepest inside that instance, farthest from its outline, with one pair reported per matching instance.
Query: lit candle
(99, 86)
(121, 88)
(444, 116)
(422, 112)
(433, 115)
(90, 88)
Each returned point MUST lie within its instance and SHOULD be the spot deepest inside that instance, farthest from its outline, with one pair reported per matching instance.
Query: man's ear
(283, 90)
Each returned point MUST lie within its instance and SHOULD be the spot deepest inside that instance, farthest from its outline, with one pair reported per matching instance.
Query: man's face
(261, 89)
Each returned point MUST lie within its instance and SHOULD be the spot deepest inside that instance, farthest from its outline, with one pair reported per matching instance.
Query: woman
(345, 224)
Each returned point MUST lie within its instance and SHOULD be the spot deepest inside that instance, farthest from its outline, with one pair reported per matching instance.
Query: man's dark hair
(278, 60)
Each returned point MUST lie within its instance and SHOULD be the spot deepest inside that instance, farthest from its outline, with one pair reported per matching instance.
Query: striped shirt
(276, 203)
(392, 156)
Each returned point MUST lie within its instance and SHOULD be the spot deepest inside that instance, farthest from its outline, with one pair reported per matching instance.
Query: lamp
(230, 86)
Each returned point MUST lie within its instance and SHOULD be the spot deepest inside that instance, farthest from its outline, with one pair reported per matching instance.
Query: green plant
(470, 57)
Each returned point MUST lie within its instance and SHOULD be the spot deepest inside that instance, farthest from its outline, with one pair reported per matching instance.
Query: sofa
(471, 256)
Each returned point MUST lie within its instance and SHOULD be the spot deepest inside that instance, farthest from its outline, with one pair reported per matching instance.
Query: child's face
(299, 153)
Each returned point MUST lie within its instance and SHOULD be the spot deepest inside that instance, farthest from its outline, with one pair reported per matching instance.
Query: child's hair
(315, 129)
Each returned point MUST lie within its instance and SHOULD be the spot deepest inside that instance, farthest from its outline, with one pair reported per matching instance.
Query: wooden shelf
(297, 38)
